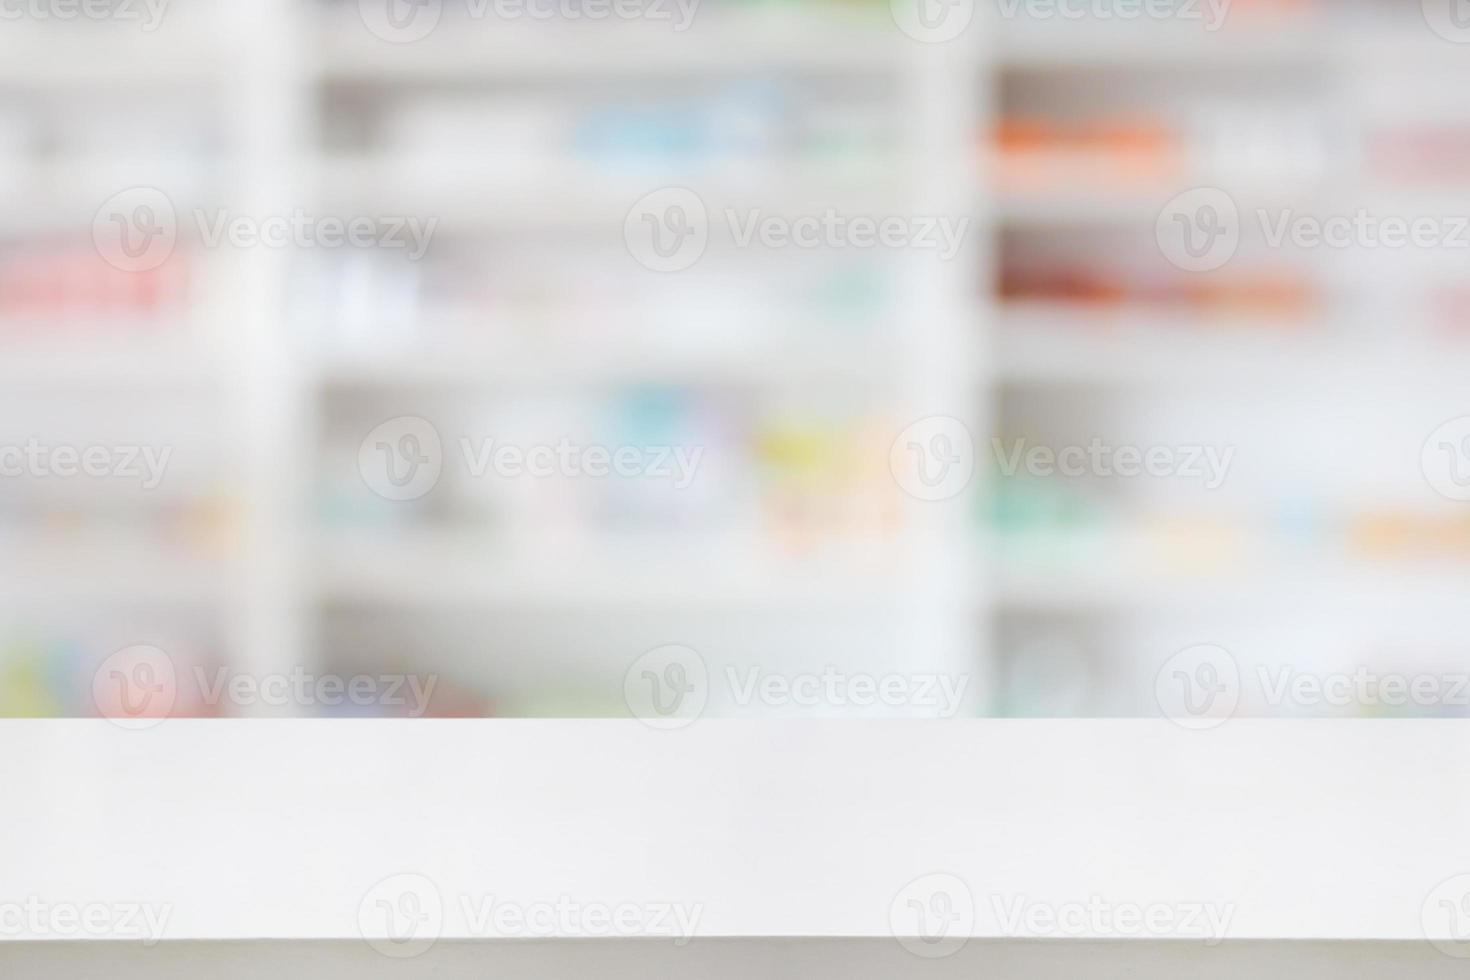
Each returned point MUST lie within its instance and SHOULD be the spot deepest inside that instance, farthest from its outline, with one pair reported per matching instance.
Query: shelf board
(1044, 343)
(119, 61)
(830, 364)
(454, 568)
(106, 366)
(126, 570)
(1060, 586)
(728, 45)
(568, 195)
(1058, 46)
(1310, 42)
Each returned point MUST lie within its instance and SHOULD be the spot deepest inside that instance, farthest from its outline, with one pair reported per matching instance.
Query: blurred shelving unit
(527, 143)
(811, 376)
(797, 369)
(1325, 368)
(94, 355)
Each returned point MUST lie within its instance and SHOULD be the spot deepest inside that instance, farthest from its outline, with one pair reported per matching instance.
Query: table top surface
(926, 830)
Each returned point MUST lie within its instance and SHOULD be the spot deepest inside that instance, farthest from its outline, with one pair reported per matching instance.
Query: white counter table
(561, 848)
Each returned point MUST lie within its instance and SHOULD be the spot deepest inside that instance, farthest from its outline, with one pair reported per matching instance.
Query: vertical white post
(949, 629)
(267, 403)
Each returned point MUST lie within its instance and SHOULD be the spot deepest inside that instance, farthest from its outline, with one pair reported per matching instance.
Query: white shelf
(110, 569)
(717, 45)
(1088, 583)
(1321, 41)
(1107, 203)
(125, 57)
(1153, 47)
(443, 568)
(839, 365)
(1040, 343)
(465, 196)
(108, 366)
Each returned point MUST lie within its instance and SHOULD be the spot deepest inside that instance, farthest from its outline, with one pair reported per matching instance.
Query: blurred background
(218, 413)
